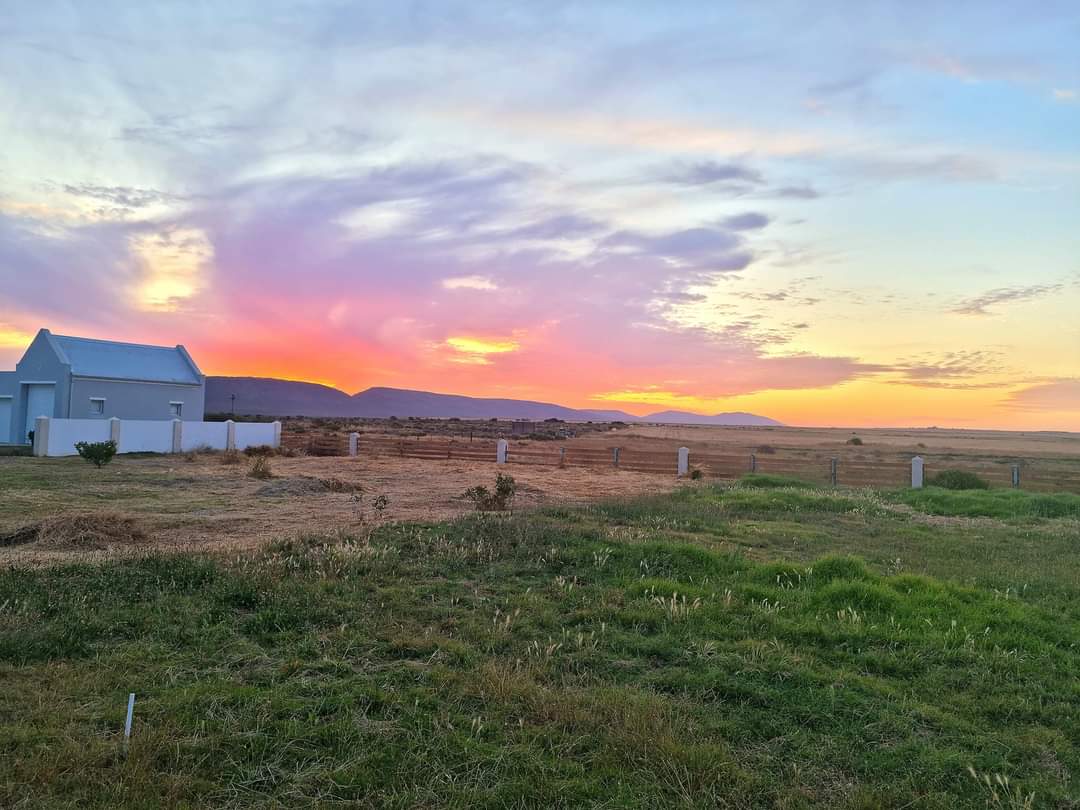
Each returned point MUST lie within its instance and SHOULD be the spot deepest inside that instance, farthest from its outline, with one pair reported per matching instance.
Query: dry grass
(204, 505)
(79, 532)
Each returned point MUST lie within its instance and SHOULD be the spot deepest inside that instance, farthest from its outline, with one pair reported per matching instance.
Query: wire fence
(817, 467)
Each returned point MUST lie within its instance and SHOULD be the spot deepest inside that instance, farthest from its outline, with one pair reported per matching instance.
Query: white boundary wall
(57, 437)
(144, 437)
(61, 435)
(197, 435)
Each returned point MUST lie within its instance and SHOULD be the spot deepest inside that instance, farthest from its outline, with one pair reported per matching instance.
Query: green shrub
(97, 453)
(763, 481)
(957, 479)
(486, 501)
(696, 474)
(854, 440)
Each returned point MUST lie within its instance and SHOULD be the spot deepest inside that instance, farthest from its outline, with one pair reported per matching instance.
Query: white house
(79, 378)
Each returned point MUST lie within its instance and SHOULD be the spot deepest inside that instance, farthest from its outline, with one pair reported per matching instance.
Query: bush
(854, 440)
(97, 453)
(259, 450)
(957, 479)
(260, 468)
(486, 501)
(696, 474)
(230, 457)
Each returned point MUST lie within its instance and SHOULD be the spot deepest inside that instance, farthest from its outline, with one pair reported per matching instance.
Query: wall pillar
(230, 434)
(177, 435)
(502, 451)
(114, 432)
(277, 435)
(41, 436)
(684, 461)
(917, 472)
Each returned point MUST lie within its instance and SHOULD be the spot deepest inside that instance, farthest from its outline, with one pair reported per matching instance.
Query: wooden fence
(822, 468)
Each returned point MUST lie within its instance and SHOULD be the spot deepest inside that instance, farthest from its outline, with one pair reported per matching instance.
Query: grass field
(746, 646)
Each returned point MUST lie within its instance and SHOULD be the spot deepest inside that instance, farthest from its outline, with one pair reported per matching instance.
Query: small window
(97, 406)
(176, 409)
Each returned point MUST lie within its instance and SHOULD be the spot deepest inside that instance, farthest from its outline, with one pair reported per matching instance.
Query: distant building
(521, 427)
(79, 378)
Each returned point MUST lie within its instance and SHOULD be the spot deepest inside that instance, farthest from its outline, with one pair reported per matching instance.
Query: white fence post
(500, 453)
(177, 435)
(684, 461)
(354, 441)
(41, 436)
(230, 434)
(277, 434)
(114, 432)
(615, 456)
(1016, 476)
(917, 472)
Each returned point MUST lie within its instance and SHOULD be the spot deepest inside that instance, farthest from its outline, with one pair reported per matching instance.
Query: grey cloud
(749, 221)
(980, 304)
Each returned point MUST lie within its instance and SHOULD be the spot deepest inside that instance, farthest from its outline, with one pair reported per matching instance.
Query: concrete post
(354, 442)
(501, 452)
(615, 456)
(41, 436)
(753, 463)
(114, 431)
(832, 471)
(1016, 476)
(230, 434)
(684, 461)
(277, 434)
(917, 472)
(177, 435)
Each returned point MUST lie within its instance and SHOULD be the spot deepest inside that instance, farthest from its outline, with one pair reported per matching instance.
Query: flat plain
(618, 639)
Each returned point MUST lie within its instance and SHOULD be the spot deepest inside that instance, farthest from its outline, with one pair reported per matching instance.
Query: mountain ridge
(270, 396)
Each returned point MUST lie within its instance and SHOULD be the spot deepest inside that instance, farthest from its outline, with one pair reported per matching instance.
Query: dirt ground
(207, 505)
(973, 443)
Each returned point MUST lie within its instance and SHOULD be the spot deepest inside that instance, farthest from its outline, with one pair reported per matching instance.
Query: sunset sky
(827, 213)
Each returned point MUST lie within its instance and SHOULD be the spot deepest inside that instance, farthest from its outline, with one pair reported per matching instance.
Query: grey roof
(127, 361)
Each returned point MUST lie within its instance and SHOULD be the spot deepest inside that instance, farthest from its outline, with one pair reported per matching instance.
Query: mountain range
(272, 397)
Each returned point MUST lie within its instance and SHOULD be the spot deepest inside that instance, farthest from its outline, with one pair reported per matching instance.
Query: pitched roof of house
(126, 361)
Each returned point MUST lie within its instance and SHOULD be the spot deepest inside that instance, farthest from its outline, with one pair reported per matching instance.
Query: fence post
(1016, 476)
(277, 434)
(354, 441)
(917, 472)
(753, 463)
(562, 457)
(684, 461)
(501, 451)
(177, 435)
(114, 432)
(832, 471)
(230, 434)
(615, 456)
(41, 436)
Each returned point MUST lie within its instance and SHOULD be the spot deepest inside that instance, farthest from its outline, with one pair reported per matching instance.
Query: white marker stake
(127, 723)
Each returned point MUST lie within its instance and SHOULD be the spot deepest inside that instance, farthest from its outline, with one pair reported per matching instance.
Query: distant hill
(271, 397)
(733, 418)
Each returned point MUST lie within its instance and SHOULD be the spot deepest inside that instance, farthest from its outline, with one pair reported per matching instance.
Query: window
(176, 409)
(97, 406)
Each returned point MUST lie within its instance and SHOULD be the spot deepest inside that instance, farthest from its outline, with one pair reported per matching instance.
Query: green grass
(718, 647)
(996, 503)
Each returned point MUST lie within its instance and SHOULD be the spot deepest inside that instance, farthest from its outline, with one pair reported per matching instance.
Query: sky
(827, 213)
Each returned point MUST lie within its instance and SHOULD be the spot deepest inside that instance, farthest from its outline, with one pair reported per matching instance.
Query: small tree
(487, 501)
(97, 453)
